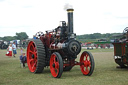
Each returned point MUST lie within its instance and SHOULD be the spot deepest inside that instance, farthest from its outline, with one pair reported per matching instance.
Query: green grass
(105, 72)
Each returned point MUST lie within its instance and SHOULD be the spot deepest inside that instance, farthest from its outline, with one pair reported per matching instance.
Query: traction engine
(58, 49)
(121, 49)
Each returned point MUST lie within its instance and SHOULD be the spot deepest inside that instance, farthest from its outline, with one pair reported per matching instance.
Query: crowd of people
(11, 48)
(12, 51)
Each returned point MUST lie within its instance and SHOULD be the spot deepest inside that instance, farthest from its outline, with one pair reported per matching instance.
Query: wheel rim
(54, 65)
(85, 63)
(32, 56)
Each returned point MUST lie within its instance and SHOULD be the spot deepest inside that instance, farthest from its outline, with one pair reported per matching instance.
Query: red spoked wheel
(56, 65)
(87, 63)
(36, 56)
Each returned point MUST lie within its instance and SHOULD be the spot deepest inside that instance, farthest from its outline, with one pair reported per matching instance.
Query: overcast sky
(90, 16)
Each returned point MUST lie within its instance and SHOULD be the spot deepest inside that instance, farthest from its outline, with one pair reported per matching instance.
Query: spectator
(34, 36)
(9, 50)
(14, 49)
(23, 59)
(21, 50)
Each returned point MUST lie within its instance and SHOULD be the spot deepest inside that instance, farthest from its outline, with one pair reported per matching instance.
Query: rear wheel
(56, 65)
(36, 56)
(87, 63)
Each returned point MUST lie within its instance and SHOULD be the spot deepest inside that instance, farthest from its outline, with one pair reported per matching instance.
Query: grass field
(105, 72)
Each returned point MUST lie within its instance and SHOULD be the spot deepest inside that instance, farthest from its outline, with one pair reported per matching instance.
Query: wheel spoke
(31, 52)
(34, 53)
(35, 57)
(89, 62)
(34, 65)
(57, 71)
(31, 60)
(89, 66)
(33, 46)
(56, 65)
(54, 59)
(86, 69)
(86, 57)
(86, 63)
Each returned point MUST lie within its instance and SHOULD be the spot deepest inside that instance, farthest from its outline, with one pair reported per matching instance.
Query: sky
(90, 16)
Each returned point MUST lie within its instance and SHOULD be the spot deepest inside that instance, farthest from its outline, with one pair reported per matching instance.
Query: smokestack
(70, 20)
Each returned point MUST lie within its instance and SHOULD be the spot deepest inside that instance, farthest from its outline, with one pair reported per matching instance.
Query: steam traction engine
(121, 50)
(58, 49)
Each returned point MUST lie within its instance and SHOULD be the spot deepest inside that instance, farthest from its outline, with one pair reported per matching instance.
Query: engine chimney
(70, 21)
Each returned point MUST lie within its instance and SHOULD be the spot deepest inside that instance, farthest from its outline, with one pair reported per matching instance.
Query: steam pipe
(70, 20)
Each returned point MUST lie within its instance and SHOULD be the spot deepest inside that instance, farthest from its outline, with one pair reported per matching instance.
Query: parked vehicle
(121, 49)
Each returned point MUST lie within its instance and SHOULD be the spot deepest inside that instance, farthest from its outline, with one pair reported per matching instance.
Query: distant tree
(95, 37)
(92, 36)
(8, 38)
(21, 36)
(0, 38)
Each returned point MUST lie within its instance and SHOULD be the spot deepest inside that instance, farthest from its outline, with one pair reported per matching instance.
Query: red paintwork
(47, 38)
(32, 62)
(54, 70)
(85, 63)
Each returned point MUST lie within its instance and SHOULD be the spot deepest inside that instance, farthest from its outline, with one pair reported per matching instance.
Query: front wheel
(56, 65)
(87, 63)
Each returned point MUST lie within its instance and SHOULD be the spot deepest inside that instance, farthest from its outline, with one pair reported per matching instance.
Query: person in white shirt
(9, 50)
(14, 49)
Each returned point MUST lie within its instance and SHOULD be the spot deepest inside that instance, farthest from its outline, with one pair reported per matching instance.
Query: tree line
(95, 37)
(82, 38)
(19, 36)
